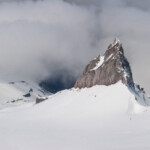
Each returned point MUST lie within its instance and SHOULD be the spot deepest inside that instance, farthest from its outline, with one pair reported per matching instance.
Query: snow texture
(97, 118)
(16, 93)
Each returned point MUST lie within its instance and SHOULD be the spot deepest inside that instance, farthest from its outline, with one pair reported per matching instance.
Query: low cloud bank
(38, 39)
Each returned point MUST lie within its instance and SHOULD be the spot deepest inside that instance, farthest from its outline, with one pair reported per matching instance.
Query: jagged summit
(116, 41)
(107, 69)
(110, 68)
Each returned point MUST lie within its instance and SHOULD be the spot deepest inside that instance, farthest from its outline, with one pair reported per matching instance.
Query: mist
(40, 39)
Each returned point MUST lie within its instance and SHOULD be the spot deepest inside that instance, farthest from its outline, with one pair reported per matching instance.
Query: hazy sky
(42, 38)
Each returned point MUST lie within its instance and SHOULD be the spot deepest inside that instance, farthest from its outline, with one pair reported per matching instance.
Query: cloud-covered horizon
(39, 39)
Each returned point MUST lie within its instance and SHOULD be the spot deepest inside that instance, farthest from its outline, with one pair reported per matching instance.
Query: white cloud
(39, 39)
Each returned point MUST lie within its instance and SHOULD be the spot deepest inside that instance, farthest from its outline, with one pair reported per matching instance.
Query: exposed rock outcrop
(107, 69)
(40, 99)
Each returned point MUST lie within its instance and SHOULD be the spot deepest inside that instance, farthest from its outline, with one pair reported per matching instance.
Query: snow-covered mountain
(14, 93)
(111, 114)
(109, 69)
(100, 117)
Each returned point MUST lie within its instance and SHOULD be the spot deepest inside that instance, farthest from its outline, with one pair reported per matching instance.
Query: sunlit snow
(99, 63)
(97, 118)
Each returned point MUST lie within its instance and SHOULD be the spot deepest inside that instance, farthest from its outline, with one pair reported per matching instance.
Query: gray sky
(39, 39)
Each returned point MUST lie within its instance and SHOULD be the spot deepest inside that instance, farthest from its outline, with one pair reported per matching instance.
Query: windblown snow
(97, 118)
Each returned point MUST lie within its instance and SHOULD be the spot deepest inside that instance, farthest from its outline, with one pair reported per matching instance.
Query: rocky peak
(107, 69)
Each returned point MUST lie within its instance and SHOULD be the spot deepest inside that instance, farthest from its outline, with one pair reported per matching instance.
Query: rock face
(107, 69)
(40, 99)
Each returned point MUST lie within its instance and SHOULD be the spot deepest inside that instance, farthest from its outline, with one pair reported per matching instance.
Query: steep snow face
(101, 117)
(13, 93)
(140, 95)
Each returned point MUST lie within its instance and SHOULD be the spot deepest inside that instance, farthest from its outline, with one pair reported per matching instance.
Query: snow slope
(14, 93)
(97, 118)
